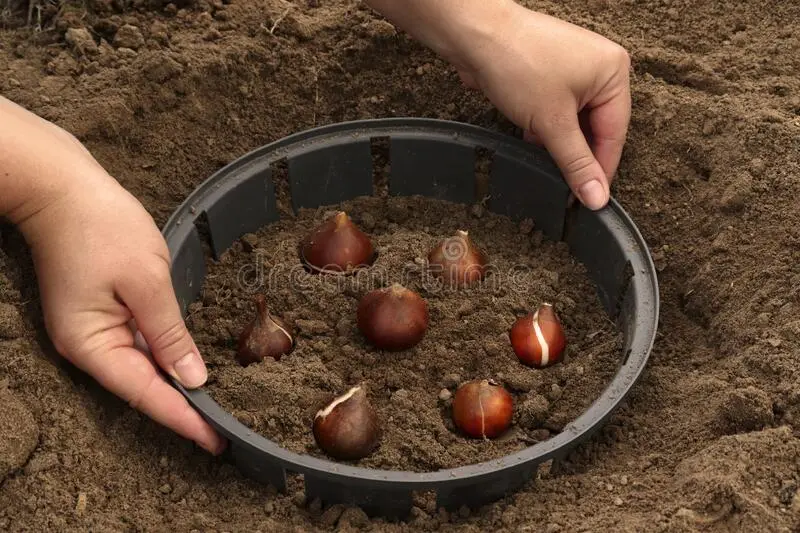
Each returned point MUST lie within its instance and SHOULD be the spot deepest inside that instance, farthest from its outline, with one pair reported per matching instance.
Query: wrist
(471, 35)
(34, 178)
(460, 31)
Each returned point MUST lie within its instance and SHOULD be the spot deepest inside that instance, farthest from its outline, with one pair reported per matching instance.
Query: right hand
(555, 80)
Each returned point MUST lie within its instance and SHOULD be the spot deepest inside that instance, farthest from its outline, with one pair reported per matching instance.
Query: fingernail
(191, 370)
(593, 194)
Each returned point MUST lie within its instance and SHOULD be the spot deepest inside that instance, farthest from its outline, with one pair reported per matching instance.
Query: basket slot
(188, 268)
(242, 208)
(330, 175)
(433, 168)
(520, 189)
(593, 243)
(374, 501)
(258, 467)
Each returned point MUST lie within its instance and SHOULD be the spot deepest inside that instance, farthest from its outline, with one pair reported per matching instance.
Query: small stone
(401, 396)
(331, 515)
(445, 395)
(623, 480)
(552, 527)
(618, 501)
(80, 505)
(555, 392)
(126, 53)
(757, 166)
(212, 35)
(355, 517)
(81, 41)
(533, 411)
(165, 488)
(249, 242)
(368, 221)
(129, 36)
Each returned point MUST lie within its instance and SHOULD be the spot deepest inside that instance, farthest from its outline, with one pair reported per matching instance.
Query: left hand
(101, 264)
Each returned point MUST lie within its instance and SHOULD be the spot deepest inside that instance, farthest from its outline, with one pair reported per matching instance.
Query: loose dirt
(467, 337)
(164, 94)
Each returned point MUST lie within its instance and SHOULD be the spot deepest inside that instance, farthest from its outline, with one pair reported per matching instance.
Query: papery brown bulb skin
(482, 409)
(347, 428)
(538, 338)
(457, 261)
(393, 318)
(337, 246)
(265, 336)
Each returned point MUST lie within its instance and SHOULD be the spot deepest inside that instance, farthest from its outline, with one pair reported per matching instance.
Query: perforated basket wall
(437, 159)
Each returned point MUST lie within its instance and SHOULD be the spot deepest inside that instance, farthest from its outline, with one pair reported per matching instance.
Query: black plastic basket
(330, 164)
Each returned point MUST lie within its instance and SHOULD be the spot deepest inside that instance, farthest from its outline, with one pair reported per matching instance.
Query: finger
(131, 375)
(609, 125)
(150, 297)
(467, 79)
(563, 138)
(532, 137)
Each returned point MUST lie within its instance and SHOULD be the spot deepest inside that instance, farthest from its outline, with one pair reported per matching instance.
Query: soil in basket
(467, 337)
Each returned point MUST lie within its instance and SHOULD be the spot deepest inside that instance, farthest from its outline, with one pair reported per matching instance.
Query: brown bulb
(457, 261)
(264, 336)
(538, 338)
(337, 246)
(482, 408)
(347, 428)
(393, 318)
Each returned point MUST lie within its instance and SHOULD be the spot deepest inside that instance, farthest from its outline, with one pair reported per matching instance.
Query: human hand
(567, 87)
(102, 264)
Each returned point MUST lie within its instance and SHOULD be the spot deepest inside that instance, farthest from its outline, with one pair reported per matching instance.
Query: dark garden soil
(164, 94)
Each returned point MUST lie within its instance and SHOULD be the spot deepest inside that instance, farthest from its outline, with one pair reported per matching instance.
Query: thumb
(564, 139)
(150, 297)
